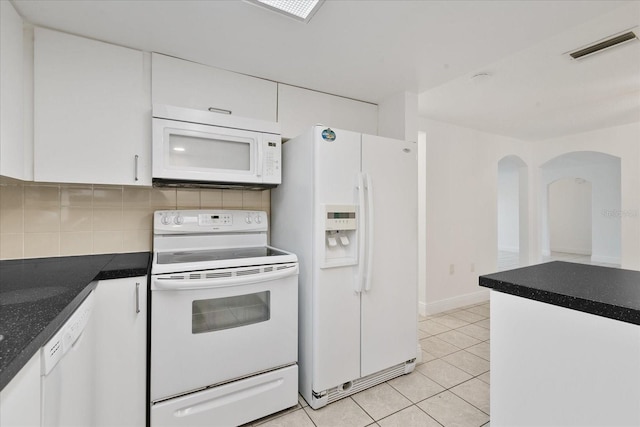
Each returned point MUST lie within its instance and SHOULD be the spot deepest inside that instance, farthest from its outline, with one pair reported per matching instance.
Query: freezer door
(389, 302)
(336, 304)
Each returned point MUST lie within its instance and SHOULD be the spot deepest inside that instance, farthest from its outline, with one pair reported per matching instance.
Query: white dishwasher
(67, 372)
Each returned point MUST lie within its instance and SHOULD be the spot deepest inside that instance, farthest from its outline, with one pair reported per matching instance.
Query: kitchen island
(565, 346)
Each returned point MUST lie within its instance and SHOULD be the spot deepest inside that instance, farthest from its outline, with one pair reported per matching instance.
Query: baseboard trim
(605, 259)
(572, 251)
(452, 303)
(514, 249)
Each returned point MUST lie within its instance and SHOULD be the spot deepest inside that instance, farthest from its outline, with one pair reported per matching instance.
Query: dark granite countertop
(38, 295)
(603, 291)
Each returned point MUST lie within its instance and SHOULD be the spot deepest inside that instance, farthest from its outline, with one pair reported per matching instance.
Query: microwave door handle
(189, 285)
(259, 158)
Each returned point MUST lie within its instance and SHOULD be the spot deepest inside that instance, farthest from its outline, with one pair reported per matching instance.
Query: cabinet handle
(137, 298)
(136, 164)
(219, 110)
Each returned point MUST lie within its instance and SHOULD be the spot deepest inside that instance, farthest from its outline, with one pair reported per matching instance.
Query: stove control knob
(178, 220)
(248, 219)
(165, 220)
(258, 219)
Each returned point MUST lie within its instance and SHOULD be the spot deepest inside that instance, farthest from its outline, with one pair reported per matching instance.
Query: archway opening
(570, 175)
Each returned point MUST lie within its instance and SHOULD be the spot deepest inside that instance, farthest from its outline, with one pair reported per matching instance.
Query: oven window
(231, 312)
(209, 153)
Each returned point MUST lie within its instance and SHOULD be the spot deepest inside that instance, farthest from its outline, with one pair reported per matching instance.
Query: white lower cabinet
(555, 366)
(20, 399)
(121, 352)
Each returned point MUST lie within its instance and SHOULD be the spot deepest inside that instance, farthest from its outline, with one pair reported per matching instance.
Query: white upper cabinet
(299, 109)
(11, 87)
(92, 111)
(191, 85)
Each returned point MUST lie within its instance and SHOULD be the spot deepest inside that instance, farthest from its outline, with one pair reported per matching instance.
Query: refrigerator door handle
(361, 233)
(369, 185)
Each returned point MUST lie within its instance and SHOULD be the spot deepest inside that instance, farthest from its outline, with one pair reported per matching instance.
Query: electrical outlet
(451, 269)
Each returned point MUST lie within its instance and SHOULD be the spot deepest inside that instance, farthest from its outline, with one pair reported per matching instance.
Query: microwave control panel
(272, 160)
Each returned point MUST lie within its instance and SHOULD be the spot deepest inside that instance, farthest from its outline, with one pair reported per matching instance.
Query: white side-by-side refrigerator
(347, 206)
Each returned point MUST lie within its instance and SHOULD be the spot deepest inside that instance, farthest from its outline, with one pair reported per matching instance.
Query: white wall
(461, 211)
(461, 202)
(398, 116)
(622, 142)
(570, 216)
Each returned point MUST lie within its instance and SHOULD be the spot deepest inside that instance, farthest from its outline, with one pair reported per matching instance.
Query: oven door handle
(160, 284)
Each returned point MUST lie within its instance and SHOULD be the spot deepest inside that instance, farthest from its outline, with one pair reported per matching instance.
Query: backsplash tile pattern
(42, 220)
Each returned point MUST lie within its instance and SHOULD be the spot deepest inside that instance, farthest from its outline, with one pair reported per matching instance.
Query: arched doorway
(513, 213)
(572, 171)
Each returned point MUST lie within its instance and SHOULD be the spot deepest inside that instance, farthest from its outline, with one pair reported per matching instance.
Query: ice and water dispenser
(340, 235)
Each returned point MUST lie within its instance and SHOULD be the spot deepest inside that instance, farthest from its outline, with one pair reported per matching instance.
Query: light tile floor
(450, 387)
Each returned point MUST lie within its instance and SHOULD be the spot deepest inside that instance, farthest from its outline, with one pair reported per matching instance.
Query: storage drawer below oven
(231, 404)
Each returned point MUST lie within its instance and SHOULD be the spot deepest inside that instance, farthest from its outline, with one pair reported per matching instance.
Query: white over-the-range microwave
(194, 148)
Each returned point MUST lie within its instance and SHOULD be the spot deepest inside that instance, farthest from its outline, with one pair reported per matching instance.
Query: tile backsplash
(45, 220)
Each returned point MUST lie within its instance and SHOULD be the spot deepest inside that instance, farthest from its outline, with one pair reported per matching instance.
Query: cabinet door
(121, 352)
(11, 82)
(20, 399)
(191, 85)
(299, 109)
(92, 111)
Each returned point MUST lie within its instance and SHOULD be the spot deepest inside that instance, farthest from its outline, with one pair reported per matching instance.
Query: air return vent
(604, 45)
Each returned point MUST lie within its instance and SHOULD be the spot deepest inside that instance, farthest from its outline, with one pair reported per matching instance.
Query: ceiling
(371, 50)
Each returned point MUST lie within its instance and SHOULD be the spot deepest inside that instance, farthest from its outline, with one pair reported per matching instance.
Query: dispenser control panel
(340, 218)
(340, 236)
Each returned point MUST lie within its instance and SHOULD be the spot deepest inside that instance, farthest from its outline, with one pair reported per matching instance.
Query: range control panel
(208, 221)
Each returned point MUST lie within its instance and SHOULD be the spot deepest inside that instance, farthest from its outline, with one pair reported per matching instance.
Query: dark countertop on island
(38, 295)
(603, 291)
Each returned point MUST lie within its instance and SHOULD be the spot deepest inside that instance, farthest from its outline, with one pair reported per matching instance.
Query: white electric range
(224, 319)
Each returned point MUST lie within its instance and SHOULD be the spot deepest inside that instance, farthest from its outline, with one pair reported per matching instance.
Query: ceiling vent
(605, 44)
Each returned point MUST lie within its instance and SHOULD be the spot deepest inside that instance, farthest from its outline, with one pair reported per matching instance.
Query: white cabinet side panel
(11, 84)
(300, 108)
(191, 85)
(556, 366)
(292, 230)
(389, 309)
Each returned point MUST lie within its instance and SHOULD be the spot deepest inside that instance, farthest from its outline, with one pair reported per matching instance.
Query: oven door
(188, 151)
(215, 326)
